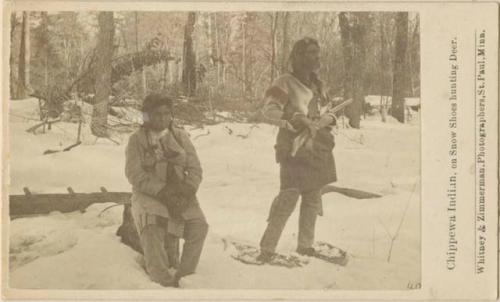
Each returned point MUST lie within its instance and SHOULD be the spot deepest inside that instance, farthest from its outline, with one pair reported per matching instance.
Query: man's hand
(300, 121)
(325, 120)
(285, 124)
(175, 202)
(313, 129)
(187, 190)
(165, 193)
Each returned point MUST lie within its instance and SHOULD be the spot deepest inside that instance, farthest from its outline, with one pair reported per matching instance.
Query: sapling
(394, 236)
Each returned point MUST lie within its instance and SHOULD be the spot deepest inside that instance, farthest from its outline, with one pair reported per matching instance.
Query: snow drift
(81, 251)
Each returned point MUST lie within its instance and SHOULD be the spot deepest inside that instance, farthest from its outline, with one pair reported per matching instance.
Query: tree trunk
(274, 27)
(27, 53)
(45, 24)
(286, 43)
(68, 19)
(179, 67)
(383, 112)
(144, 82)
(250, 74)
(353, 49)
(12, 86)
(409, 75)
(171, 74)
(409, 62)
(220, 61)
(400, 68)
(23, 64)
(345, 36)
(104, 52)
(358, 34)
(244, 57)
(352, 37)
(189, 58)
(213, 50)
(164, 75)
(414, 55)
(67, 61)
(223, 50)
(46, 71)
(222, 70)
(141, 77)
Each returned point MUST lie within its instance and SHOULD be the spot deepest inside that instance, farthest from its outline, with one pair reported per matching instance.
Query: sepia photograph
(194, 149)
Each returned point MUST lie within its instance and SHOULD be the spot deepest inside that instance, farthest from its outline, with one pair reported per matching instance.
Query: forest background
(208, 62)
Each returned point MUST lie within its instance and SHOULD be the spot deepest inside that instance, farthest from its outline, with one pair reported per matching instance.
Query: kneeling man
(165, 172)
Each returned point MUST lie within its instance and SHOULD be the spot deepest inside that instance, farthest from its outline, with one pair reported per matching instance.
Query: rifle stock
(304, 135)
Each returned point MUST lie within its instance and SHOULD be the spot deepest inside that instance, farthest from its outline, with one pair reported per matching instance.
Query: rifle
(302, 138)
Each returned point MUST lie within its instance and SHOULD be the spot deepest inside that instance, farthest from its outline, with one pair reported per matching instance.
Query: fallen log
(39, 204)
(31, 205)
(349, 192)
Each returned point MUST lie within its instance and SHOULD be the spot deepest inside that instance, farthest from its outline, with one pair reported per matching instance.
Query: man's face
(311, 58)
(160, 118)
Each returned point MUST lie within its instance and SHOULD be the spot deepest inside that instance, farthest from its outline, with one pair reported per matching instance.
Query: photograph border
(428, 291)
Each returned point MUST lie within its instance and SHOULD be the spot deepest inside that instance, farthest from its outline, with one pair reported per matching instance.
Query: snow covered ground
(80, 250)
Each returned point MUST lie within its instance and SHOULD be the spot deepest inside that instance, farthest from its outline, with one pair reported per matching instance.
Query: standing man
(297, 104)
(164, 170)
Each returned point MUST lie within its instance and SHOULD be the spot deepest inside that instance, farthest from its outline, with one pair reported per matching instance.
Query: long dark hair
(155, 100)
(298, 51)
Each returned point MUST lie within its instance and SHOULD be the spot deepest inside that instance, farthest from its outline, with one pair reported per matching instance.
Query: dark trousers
(161, 250)
(281, 209)
(195, 232)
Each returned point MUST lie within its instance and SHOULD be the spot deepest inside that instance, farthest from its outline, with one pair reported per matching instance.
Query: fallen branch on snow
(68, 148)
(244, 136)
(229, 130)
(46, 122)
(203, 134)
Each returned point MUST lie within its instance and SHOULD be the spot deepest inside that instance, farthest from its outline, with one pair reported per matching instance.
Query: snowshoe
(249, 254)
(327, 252)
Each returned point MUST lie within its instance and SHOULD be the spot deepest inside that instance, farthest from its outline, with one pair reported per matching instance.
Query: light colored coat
(147, 175)
(288, 90)
(304, 167)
